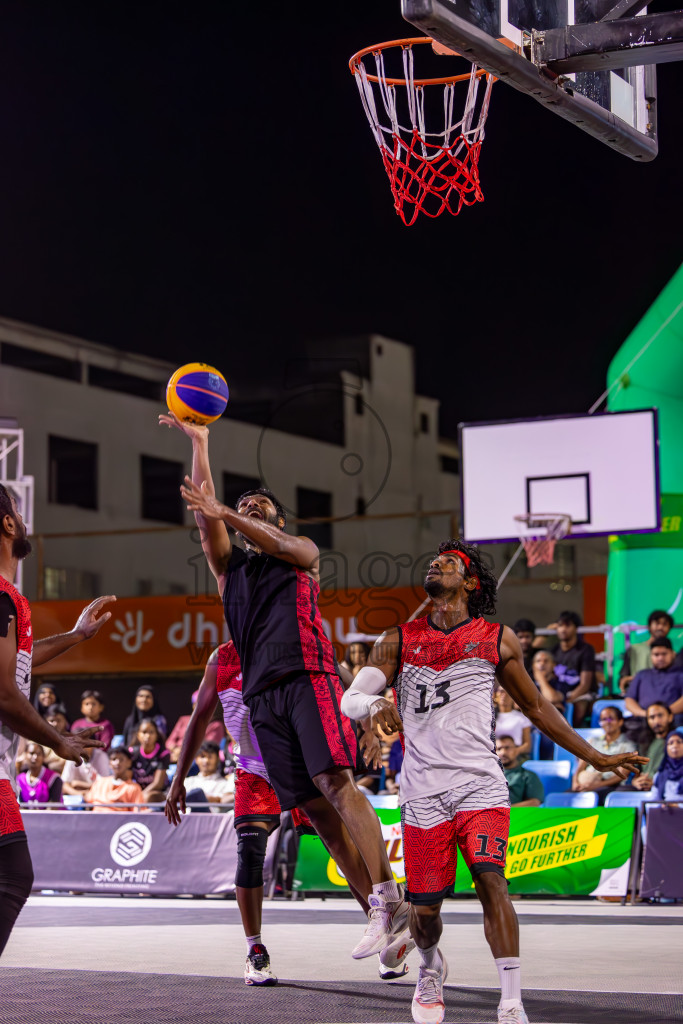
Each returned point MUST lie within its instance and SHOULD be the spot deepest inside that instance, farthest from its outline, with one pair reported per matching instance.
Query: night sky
(198, 181)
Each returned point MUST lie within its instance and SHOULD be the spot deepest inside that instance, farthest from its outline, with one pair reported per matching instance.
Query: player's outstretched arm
(193, 739)
(216, 543)
(514, 678)
(364, 698)
(299, 551)
(88, 624)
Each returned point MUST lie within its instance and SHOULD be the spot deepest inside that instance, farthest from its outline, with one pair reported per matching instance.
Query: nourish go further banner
(563, 851)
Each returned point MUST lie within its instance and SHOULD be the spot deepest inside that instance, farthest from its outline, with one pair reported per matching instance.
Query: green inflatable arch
(646, 570)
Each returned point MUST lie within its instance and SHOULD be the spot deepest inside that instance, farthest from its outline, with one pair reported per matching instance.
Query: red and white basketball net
(539, 548)
(429, 171)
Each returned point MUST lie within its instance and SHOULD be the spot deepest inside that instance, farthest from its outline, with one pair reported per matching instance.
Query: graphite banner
(137, 852)
(564, 851)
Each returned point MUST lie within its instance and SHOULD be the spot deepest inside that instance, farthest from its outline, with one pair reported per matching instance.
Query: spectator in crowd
(526, 789)
(574, 665)
(394, 765)
(660, 722)
(356, 657)
(77, 779)
(215, 733)
(210, 785)
(45, 695)
(543, 674)
(117, 788)
(661, 682)
(145, 705)
(92, 709)
(525, 631)
(56, 717)
(511, 722)
(150, 761)
(38, 784)
(613, 741)
(668, 784)
(637, 656)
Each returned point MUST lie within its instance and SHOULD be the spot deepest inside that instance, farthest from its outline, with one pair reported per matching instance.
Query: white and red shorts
(431, 851)
(256, 800)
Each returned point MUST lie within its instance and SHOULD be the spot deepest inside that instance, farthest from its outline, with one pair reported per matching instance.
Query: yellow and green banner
(561, 851)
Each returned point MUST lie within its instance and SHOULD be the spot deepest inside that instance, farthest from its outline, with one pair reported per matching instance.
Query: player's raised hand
(193, 430)
(175, 802)
(385, 717)
(621, 764)
(90, 621)
(73, 745)
(199, 500)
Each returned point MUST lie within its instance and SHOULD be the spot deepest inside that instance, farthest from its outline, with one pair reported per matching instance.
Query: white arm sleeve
(369, 684)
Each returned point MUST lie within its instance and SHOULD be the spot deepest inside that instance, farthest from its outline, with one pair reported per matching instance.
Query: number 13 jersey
(444, 694)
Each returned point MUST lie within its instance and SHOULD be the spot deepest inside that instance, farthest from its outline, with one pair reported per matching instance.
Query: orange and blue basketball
(197, 393)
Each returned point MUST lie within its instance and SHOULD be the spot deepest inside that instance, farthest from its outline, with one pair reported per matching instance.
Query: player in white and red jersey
(453, 791)
(18, 717)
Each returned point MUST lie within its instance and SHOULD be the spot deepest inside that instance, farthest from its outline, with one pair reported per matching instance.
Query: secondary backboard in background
(530, 44)
(602, 470)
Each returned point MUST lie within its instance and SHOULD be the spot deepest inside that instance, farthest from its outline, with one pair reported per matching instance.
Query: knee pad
(251, 853)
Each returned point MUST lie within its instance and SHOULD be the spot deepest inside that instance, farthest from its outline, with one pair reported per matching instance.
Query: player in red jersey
(18, 655)
(291, 684)
(443, 668)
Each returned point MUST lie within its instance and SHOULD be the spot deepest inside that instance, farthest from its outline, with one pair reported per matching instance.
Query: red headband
(466, 559)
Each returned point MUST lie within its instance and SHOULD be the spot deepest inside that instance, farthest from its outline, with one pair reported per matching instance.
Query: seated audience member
(92, 709)
(56, 717)
(78, 778)
(356, 657)
(525, 631)
(526, 789)
(210, 785)
(613, 741)
(117, 788)
(668, 784)
(145, 705)
(45, 695)
(215, 733)
(660, 722)
(150, 761)
(637, 656)
(394, 765)
(574, 665)
(543, 674)
(38, 784)
(511, 722)
(659, 683)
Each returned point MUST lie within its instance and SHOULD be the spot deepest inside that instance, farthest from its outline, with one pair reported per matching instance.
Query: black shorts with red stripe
(11, 824)
(302, 733)
(431, 853)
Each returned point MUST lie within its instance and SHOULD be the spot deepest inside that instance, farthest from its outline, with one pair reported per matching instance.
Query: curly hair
(483, 600)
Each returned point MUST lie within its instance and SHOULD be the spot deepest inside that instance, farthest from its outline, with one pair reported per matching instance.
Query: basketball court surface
(79, 959)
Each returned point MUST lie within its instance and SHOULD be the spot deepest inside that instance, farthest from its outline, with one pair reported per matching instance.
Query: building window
(312, 504)
(360, 405)
(161, 480)
(450, 465)
(114, 380)
(72, 472)
(361, 507)
(424, 423)
(234, 486)
(70, 584)
(39, 362)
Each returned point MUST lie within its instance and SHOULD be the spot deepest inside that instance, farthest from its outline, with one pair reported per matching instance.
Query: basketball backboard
(589, 61)
(601, 470)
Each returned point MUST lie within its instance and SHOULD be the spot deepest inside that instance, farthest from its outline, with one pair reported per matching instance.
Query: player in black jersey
(292, 687)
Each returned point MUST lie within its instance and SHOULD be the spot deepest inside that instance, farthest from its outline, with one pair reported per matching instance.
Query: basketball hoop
(429, 171)
(539, 547)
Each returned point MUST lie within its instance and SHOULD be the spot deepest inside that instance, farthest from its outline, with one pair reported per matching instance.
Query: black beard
(434, 587)
(21, 547)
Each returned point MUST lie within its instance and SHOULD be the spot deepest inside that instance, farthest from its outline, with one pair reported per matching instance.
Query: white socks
(253, 940)
(430, 957)
(389, 890)
(510, 981)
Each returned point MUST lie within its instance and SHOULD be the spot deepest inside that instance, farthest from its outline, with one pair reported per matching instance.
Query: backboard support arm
(610, 45)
